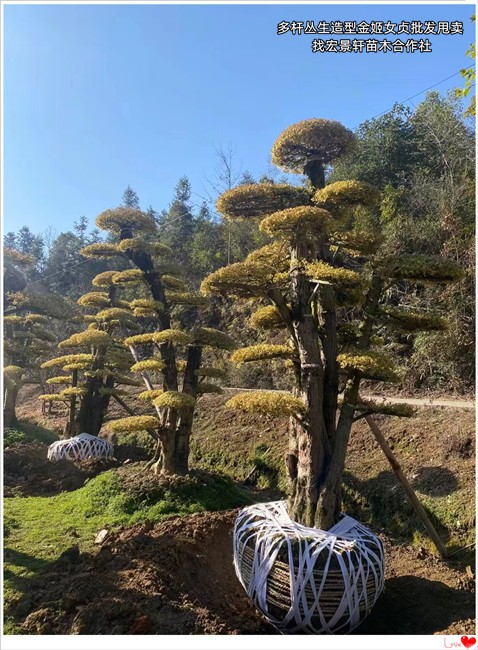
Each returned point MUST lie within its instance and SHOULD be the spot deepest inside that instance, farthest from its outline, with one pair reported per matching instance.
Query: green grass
(28, 432)
(39, 529)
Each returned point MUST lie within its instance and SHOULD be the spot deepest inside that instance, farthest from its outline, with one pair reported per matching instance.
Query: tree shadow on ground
(413, 605)
(382, 500)
(434, 481)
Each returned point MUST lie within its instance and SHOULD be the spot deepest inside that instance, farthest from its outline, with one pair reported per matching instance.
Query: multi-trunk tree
(171, 360)
(325, 282)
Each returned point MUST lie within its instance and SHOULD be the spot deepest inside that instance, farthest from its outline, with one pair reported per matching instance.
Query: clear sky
(97, 97)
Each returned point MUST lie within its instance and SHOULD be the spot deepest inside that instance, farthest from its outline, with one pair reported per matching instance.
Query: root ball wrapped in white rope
(81, 447)
(306, 580)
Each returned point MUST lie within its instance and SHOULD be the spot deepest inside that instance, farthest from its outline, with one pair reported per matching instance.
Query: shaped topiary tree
(28, 335)
(325, 282)
(171, 362)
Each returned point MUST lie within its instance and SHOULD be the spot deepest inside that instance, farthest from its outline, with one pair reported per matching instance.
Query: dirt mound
(174, 578)
(177, 577)
(28, 472)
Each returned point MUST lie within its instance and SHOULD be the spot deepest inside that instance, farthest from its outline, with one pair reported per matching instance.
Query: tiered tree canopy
(324, 282)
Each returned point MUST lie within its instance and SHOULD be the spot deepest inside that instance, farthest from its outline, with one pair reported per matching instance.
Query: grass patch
(39, 529)
(28, 432)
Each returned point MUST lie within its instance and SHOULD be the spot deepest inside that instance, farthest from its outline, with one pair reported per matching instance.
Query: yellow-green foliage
(346, 193)
(114, 313)
(149, 395)
(370, 364)
(260, 352)
(14, 320)
(130, 276)
(267, 317)
(101, 250)
(301, 221)
(170, 282)
(355, 241)
(94, 299)
(386, 408)
(420, 268)
(143, 303)
(181, 365)
(135, 245)
(348, 285)
(68, 358)
(275, 255)
(119, 219)
(88, 337)
(133, 423)
(76, 366)
(411, 320)
(269, 403)
(20, 259)
(213, 338)
(186, 298)
(36, 318)
(73, 391)
(104, 373)
(243, 279)
(60, 379)
(13, 373)
(314, 139)
(104, 390)
(260, 199)
(43, 334)
(172, 336)
(147, 364)
(210, 371)
(51, 397)
(337, 276)
(174, 400)
(139, 339)
(208, 387)
(104, 279)
(140, 312)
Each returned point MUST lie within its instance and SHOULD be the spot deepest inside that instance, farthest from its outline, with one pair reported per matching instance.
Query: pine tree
(130, 198)
(323, 282)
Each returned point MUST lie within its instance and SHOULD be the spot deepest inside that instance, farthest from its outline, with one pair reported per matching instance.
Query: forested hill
(422, 160)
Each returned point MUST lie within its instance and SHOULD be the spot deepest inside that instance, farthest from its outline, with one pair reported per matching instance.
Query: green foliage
(210, 337)
(418, 268)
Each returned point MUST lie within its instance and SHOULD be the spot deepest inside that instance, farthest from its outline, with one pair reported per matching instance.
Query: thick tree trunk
(309, 450)
(9, 407)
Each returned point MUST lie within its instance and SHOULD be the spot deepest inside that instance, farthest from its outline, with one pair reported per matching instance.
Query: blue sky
(97, 97)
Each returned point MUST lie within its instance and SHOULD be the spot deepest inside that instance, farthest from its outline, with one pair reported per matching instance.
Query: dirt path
(413, 401)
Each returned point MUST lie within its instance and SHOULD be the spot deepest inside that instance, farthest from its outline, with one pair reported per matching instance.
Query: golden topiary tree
(174, 362)
(325, 282)
(28, 335)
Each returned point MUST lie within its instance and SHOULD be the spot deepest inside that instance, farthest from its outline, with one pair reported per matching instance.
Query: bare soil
(177, 577)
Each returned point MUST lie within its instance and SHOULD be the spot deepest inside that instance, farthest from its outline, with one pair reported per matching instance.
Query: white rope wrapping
(335, 576)
(80, 447)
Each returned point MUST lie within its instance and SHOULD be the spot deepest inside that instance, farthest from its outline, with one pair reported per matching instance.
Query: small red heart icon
(468, 641)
